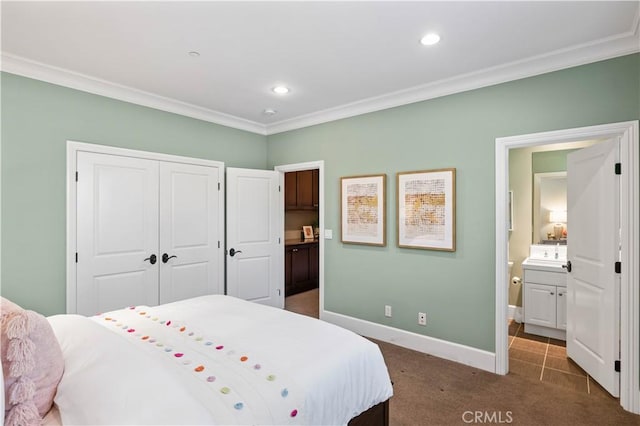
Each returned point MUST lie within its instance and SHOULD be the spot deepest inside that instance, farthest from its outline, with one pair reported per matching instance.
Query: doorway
(627, 134)
(538, 193)
(301, 248)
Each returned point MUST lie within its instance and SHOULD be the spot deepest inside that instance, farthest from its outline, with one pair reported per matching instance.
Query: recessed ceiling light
(430, 39)
(281, 90)
(269, 111)
(194, 54)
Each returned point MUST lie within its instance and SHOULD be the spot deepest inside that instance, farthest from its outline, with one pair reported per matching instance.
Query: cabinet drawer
(545, 277)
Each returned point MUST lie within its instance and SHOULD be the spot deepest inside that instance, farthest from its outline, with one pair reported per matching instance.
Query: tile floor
(545, 359)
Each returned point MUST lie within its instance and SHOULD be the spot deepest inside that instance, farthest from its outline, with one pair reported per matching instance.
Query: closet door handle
(233, 252)
(166, 257)
(567, 266)
(152, 259)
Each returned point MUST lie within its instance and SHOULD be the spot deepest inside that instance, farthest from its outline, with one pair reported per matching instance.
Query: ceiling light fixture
(280, 90)
(430, 39)
(269, 111)
(194, 54)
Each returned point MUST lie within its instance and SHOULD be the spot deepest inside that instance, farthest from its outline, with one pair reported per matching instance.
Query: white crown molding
(622, 44)
(27, 68)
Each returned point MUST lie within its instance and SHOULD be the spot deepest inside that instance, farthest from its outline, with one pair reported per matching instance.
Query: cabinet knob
(294, 250)
(552, 293)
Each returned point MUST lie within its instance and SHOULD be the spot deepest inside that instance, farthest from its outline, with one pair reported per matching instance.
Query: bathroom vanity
(544, 292)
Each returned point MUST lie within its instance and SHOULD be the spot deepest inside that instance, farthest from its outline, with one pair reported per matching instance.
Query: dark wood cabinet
(301, 268)
(314, 263)
(301, 190)
(290, 190)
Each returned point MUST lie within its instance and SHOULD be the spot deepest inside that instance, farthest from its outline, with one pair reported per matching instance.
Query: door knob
(233, 252)
(166, 257)
(567, 266)
(152, 259)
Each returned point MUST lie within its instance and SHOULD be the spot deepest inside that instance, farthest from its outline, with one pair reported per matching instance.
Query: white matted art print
(362, 210)
(426, 214)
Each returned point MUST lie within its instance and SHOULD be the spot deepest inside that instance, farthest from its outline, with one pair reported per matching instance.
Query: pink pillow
(32, 364)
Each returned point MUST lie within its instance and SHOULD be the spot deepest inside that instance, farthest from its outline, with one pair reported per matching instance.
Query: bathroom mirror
(550, 208)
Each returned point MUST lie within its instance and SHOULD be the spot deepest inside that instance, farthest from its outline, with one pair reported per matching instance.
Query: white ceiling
(339, 58)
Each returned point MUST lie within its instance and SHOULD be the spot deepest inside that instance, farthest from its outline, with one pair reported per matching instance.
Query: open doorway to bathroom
(626, 135)
(538, 190)
(539, 230)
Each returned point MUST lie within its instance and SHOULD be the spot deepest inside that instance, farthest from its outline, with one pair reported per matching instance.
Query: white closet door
(189, 255)
(117, 228)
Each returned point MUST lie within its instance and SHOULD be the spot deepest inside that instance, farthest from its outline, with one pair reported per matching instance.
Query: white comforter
(214, 360)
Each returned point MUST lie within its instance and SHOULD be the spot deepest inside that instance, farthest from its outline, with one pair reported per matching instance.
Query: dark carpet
(433, 391)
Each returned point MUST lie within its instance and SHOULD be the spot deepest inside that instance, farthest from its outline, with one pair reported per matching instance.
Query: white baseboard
(512, 312)
(441, 348)
(515, 313)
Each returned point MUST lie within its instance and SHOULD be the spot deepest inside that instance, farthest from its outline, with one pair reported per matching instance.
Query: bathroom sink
(543, 264)
(546, 258)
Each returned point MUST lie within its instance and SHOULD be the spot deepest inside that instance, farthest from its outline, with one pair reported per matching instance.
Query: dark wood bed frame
(378, 415)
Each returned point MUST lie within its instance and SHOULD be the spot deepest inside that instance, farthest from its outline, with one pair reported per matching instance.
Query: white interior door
(117, 226)
(593, 248)
(189, 260)
(255, 253)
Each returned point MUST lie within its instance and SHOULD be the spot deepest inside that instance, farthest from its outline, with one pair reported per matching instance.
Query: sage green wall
(37, 120)
(456, 290)
(550, 161)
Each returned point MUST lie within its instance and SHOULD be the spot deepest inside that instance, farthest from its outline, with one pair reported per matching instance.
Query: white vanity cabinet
(544, 299)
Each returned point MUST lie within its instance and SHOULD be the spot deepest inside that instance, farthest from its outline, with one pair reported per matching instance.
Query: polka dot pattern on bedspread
(210, 360)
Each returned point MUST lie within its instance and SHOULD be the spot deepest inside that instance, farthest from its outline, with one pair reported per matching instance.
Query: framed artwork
(308, 232)
(362, 210)
(426, 214)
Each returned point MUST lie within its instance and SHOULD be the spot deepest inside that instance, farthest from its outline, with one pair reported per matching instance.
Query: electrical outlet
(387, 311)
(422, 318)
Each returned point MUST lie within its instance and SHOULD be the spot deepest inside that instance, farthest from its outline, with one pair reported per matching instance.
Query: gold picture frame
(426, 209)
(363, 206)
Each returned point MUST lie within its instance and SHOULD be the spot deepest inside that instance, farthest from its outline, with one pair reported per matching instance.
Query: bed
(215, 360)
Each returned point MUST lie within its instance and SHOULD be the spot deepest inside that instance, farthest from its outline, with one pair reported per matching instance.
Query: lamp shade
(558, 216)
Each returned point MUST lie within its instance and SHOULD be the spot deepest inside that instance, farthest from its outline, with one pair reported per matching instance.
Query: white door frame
(72, 149)
(630, 226)
(310, 165)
